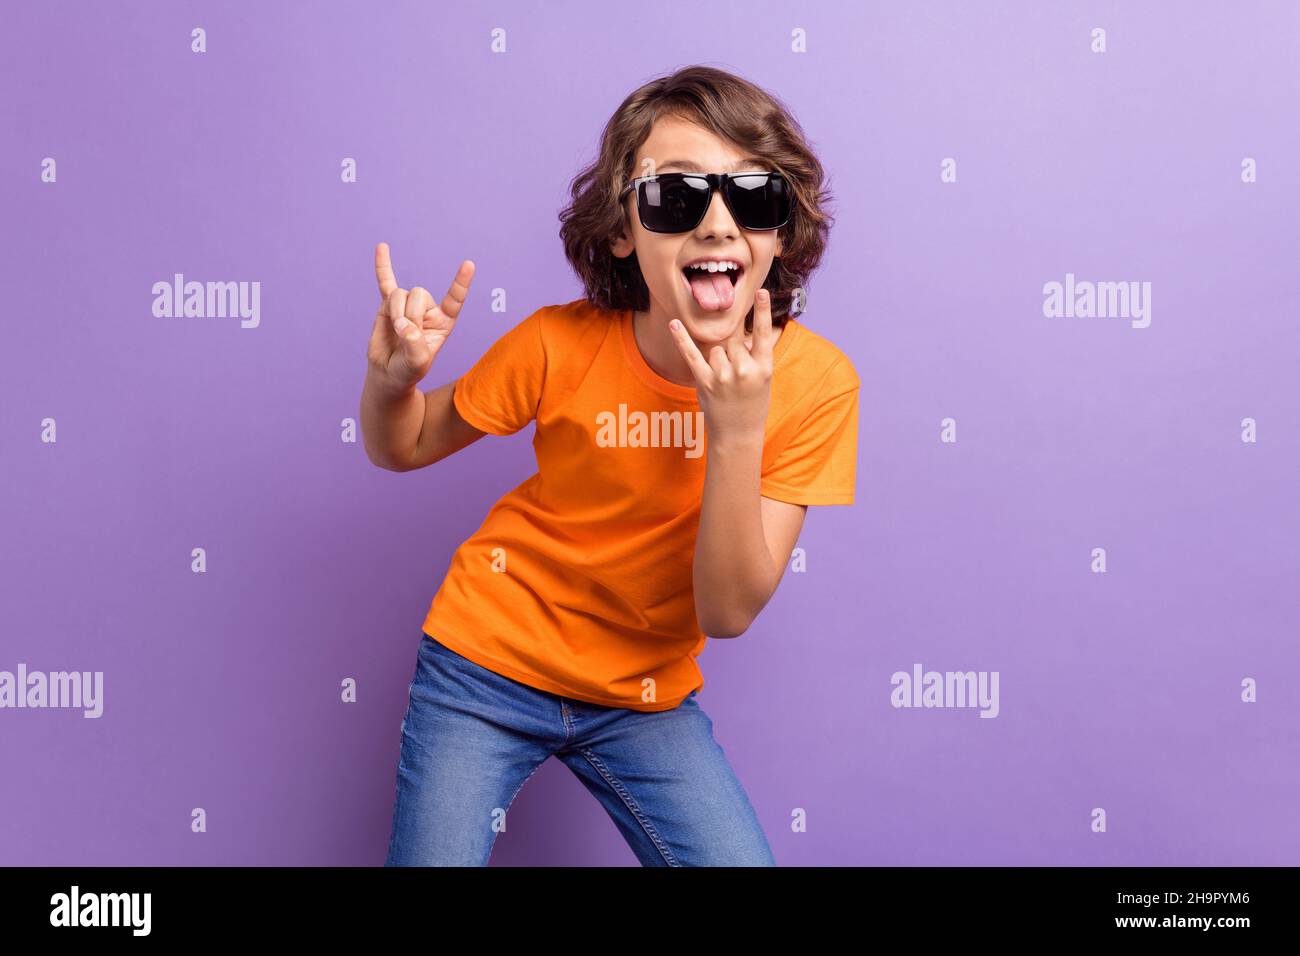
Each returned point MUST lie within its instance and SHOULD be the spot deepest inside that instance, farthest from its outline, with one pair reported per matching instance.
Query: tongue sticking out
(713, 291)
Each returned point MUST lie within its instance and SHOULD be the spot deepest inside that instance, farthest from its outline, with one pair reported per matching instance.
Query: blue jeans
(471, 738)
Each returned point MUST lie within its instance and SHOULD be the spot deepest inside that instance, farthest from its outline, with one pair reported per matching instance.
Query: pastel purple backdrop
(1118, 690)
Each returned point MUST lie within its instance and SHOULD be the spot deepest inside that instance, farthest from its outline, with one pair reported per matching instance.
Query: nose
(717, 219)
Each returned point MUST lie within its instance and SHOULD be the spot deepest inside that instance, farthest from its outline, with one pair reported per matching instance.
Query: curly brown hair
(735, 110)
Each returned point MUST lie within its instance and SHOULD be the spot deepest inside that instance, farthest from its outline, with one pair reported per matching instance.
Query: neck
(660, 351)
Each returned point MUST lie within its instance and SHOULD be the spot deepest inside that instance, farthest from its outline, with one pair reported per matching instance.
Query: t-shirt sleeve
(501, 391)
(819, 464)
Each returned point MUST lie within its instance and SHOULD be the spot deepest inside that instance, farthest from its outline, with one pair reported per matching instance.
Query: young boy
(684, 422)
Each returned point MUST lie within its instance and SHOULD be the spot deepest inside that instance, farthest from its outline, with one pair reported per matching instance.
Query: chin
(712, 327)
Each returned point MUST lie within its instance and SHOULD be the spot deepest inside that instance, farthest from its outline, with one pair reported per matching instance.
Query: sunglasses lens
(672, 203)
(760, 201)
(676, 202)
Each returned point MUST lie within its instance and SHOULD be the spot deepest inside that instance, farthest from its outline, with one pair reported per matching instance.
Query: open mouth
(733, 275)
(713, 290)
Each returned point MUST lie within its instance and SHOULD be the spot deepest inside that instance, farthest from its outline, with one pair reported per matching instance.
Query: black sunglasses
(677, 202)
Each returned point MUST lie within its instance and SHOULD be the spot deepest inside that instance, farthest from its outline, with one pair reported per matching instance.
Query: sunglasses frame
(717, 183)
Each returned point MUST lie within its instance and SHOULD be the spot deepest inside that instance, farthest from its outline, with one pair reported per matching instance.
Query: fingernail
(402, 323)
(674, 325)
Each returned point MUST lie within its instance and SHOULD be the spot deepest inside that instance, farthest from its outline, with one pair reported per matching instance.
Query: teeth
(715, 266)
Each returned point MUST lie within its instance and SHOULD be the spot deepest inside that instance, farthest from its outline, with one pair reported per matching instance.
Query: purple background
(1118, 691)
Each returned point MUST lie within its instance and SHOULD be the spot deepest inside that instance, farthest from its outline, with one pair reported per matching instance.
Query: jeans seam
(511, 801)
(567, 720)
(631, 804)
(397, 786)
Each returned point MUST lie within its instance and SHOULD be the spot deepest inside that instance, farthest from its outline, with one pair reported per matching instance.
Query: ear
(778, 243)
(622, 246)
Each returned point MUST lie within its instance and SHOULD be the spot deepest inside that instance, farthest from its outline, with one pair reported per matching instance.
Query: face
(678, 145)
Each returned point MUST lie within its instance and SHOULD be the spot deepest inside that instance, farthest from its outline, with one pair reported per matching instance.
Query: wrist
(381, 385)
(745, 443)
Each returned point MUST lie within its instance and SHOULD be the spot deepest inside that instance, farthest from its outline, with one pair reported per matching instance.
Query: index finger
(459, 290)
(384, 271)
(701, 369)
(761, 344)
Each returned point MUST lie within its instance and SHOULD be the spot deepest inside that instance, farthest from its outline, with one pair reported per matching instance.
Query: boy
(685, 420)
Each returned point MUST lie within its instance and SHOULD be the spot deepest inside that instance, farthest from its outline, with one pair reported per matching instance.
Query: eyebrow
(694, 167)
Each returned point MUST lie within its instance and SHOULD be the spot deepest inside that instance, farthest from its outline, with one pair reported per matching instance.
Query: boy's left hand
(734, 386)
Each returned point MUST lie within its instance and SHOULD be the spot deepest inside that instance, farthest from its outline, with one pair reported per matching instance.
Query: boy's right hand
(410, 328)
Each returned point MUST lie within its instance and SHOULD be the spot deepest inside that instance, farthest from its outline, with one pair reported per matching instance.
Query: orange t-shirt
(579, 581)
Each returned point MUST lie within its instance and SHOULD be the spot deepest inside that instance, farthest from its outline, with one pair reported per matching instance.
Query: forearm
(390, 423)
(734, 575)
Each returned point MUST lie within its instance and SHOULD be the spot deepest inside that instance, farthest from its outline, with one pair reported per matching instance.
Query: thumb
(412, 340)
